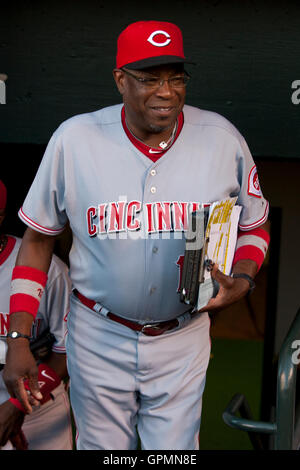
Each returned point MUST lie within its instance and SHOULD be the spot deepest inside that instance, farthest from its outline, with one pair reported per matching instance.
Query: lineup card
(221, 236)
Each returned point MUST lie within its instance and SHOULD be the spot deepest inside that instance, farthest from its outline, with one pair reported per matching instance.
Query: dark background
(59, 57)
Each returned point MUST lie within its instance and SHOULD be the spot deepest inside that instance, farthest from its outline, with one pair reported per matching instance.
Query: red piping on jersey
(11, 241)
(258, 223)
(257, 232)
(36, 226)
(145, 148)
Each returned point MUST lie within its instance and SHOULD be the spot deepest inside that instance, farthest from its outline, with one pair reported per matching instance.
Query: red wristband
(253, 245)
(48, 381)
(27, 287)
(17, 404)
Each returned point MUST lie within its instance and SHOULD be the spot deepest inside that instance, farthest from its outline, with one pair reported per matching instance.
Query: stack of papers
(221, 236)
(214, 240)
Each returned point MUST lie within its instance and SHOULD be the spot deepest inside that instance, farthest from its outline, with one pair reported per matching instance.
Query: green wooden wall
(59, 56)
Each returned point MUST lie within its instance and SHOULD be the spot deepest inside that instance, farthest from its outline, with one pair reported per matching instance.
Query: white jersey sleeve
(255, 207)
(48, 189)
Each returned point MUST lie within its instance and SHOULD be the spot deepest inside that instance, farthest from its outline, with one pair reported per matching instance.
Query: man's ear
(119, 76)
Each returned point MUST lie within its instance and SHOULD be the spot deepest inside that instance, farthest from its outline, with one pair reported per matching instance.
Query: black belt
(151, 329)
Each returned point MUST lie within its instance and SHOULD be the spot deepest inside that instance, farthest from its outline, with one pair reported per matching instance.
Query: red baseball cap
(3, 195)
(148, 43)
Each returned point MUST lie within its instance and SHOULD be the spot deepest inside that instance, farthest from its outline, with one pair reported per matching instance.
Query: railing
(285, 418)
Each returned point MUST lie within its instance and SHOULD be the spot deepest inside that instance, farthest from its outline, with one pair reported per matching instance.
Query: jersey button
(152, 290)
(155, 249)
(153, 189)
(153, 172)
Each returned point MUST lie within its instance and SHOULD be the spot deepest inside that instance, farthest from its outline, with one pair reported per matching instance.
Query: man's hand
(21, 365)
(11, 420)
(19, 441)
(231, 290)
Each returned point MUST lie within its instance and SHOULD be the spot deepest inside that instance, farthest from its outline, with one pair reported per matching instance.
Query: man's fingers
(19, 441)
(20, 375)
(230, 289)
(28, 395)
(221, 278)
(213, 304)
(27, 392)
(3, 437)
(21, 394)
(33, 401)
(34, 388)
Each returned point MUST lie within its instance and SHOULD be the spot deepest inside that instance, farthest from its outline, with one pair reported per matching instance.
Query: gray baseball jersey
(127, 214)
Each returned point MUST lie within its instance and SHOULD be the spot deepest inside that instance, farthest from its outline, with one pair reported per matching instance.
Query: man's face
(151, 110)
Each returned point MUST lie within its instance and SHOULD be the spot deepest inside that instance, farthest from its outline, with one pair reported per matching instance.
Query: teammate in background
(125, 178)
(49, 426)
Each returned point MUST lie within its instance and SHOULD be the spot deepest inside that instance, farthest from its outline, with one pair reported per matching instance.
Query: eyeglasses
(179, 81)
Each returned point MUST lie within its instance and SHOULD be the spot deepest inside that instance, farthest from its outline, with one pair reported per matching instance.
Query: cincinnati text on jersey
(132, 216)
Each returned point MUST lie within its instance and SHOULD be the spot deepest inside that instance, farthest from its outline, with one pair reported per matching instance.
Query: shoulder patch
(253, 183)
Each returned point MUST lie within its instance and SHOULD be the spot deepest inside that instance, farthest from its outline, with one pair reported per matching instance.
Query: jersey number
(179, 263)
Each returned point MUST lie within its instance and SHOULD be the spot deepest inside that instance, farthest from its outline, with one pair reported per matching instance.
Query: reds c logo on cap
(253, 183)
(148, 44)
(159, 44)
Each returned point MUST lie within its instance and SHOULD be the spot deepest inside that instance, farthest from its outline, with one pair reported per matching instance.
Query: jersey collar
(153, 153)
(11, 241)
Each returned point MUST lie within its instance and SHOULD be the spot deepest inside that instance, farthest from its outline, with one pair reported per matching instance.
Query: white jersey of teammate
(40, 427)
(128, 214)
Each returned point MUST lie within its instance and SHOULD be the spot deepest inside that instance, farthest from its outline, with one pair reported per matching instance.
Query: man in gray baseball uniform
(127, 178)
(49, 427)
